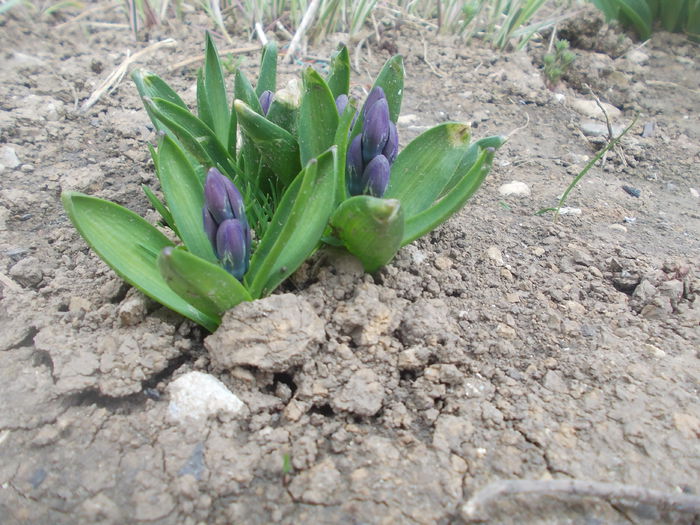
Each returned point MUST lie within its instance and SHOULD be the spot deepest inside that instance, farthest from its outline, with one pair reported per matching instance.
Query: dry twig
(110, 83)
(475, 510)
(301, 30)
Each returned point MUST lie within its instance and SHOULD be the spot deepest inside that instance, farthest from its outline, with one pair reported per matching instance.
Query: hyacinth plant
(253, 187)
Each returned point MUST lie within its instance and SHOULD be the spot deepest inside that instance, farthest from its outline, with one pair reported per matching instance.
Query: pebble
(517, 188)
(589, 108)
(649, 129)
(196, 396)
(593, 128)
(566, 210)
(4, 216)
(637, 57)
(694, 193)
(634, 192)
(27, 272)
(618, 227)
(495, 255)
(8, 157)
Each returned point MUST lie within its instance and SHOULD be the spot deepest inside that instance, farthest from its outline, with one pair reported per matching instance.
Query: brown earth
(504, 345)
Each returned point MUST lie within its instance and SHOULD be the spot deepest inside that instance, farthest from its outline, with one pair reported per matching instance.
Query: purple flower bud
(391, 148)
(231, 247)
(222, 198)
(266, 98)
(376, 176)
(355, 166)
(376, 94)
(210, 225)
(341, 103)
(375, 131)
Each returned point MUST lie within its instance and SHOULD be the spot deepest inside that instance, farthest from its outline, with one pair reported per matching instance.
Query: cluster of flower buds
(225, 223)
(266, 98)
(372, 152)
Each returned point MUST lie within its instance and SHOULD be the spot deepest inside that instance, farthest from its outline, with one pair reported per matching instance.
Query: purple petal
(391, 149)
(376, 176)
(355, 166)
(266, 98)
(375, 131)
(210, 226)
(231, 247)
(341, 102)
(222, 198)
(376, 94)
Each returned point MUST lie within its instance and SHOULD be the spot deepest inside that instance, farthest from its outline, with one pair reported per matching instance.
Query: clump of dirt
(503, 345)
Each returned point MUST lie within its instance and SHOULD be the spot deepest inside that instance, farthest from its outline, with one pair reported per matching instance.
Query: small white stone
(196, 396)
(8, 157)
(637, 57)
(407, 119)
(514, 188)
(495, 255)
(694, 193)
(566, 210)
(559, 98)
(589, 108)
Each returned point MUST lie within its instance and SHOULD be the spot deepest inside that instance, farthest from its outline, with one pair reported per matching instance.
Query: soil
(504, 345)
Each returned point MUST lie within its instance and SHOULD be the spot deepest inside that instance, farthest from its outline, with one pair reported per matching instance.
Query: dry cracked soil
(502, 346)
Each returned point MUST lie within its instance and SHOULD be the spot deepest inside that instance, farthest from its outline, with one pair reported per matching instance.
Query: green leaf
(243, 90)
(249, 156)
(390, 79)
(278, 149)
(341, 141)
(215, 93)
(204, 285)
(267, 81)
(339, 75)
(670, 12)
(426, 166)
(149, 86)
(184, 193)
(318, 117)
(232, 134)
(370, 228)
(470, 158)
(637, 14)
(284, 115)
(198, 138)
(162, 210)
(610, 8)
(426, 221)
(129, 245)
(296, 227)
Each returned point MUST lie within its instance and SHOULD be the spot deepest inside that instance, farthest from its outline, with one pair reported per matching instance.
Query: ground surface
(501, 346)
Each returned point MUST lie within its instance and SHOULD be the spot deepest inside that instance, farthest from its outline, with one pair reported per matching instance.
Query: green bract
(254, 185)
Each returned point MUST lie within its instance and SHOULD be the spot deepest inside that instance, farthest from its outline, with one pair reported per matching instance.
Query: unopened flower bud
(355, 166)
(231, 247)
(266, 98)
(376, 129)
(341, 102)
(391, 148)
(376, 94)
(376, 176)
(222, 198)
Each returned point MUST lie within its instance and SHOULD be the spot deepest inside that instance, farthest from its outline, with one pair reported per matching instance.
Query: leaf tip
(458, 134)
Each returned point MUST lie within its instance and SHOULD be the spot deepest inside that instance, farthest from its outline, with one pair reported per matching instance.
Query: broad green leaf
(267, 81)
(249, 157)
(318, 117)
(426, 221)
(215, 93)
(284, 115)
(243, 90)
(692, 26)
(296, 227)
(470, 158)
(130, 246)
(390, 79)
(198, 138)
(232, 134)
(426, 166)
(162, 210)
(339, 75)
(341, 141)
(149, 86)
(370, 228)
(204, 111)
(279, 150)
(204, 285)
(184, 193)
(610, 8)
